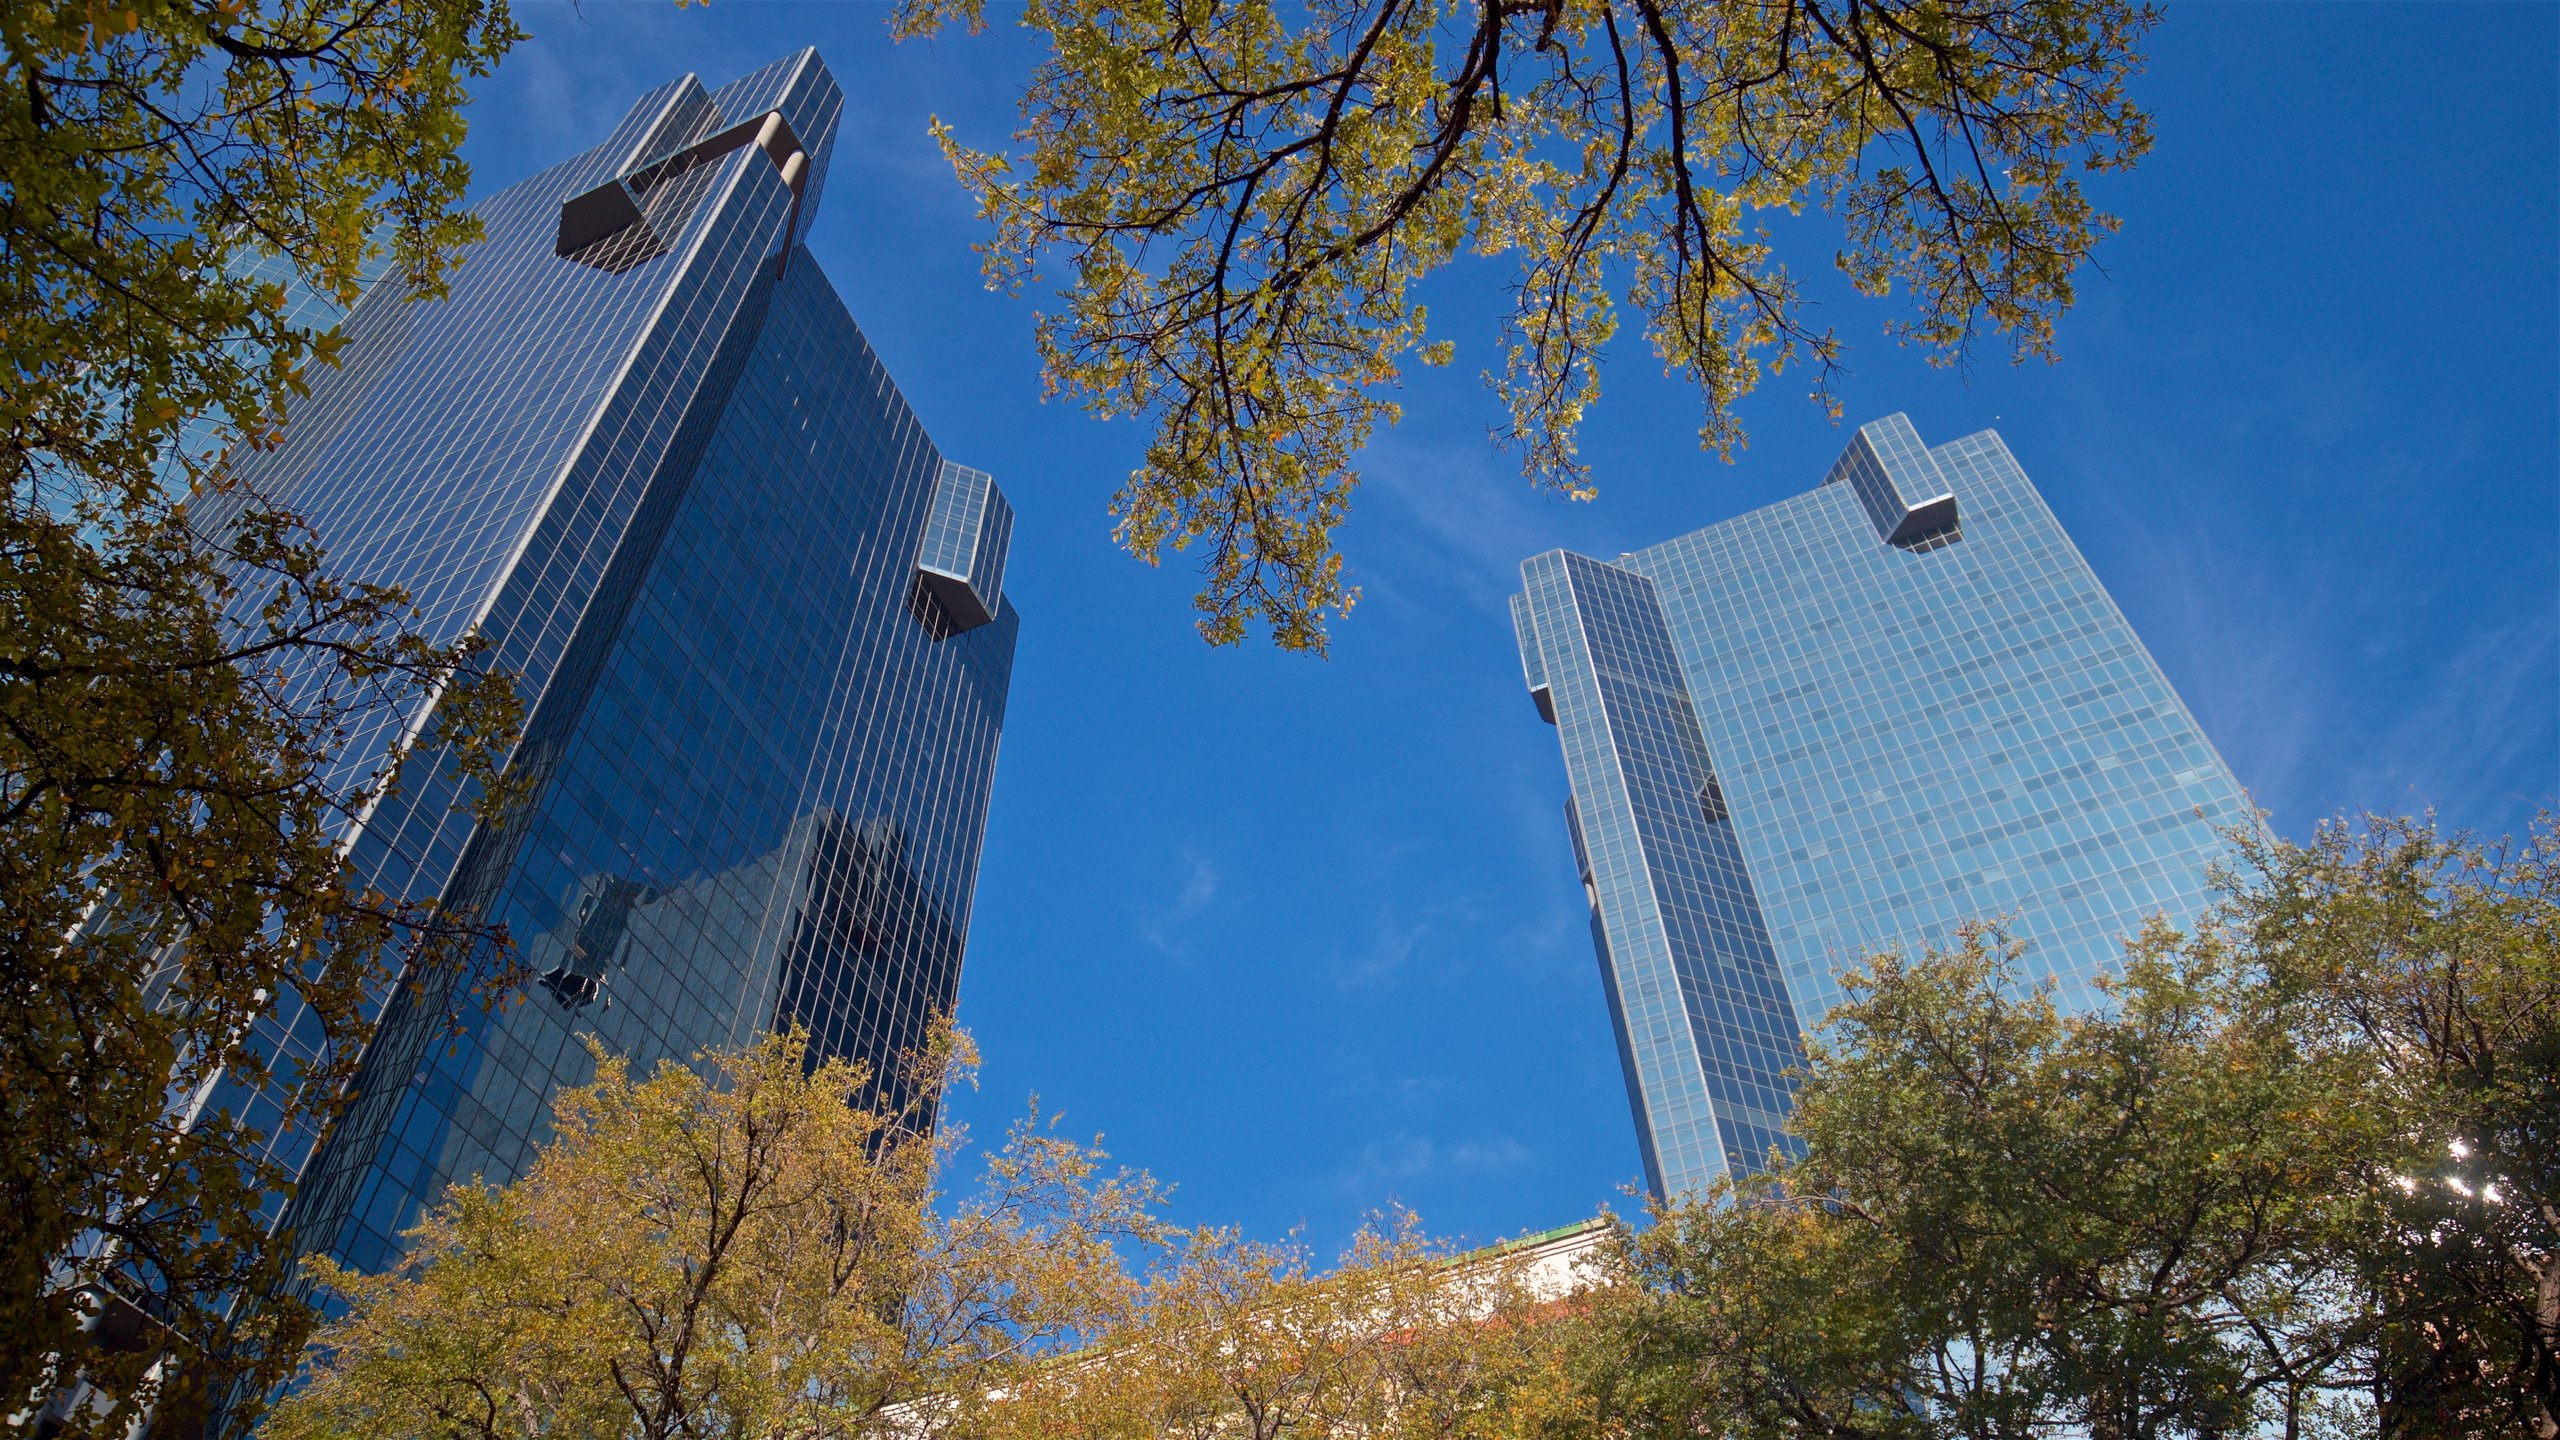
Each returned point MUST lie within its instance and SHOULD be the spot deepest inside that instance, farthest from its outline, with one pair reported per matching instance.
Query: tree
(2010, 1221)
(745, 1254)
(1237, 1340)
(174, 692)
(751, 1254)
(1246, 206)
(2430, 966)
(2296, 1177)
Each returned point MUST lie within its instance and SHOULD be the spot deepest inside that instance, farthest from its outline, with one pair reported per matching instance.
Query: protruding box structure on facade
(961, 560)
(1887, 467)
(607, 225)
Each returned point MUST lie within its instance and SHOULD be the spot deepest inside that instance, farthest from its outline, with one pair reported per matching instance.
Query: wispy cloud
(1390, 944)
(1473, 510)
(1466, 933)
(2473, 730)
(1496, 1157)
(1385, 1166)
(1393, 936)
(2334, 669)
(1167, 927)
(1413, 1090)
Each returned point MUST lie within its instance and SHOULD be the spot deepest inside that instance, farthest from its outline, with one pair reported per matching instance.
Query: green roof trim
(1530, 1242)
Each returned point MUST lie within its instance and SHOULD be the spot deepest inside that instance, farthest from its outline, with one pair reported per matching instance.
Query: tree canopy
(1233, 1339)
(2294, 1178)
(2297, 1178)
(2429, 965)
(174, 693)
(1245, 199)
(753, 1254)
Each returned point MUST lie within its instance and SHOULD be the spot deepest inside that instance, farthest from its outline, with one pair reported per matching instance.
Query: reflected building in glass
(1847, 722)
(756, 619)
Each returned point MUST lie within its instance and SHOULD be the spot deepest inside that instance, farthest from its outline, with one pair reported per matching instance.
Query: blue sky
(1302, 936)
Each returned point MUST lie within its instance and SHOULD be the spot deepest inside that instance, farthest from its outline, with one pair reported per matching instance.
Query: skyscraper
(1851, 721)
(756, 619)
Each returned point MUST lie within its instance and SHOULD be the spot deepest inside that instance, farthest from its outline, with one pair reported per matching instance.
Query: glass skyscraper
(756, 619)
(1849, 722)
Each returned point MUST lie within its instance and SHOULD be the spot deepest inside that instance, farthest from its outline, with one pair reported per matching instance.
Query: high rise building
(756, 619)
(202, 438)
(1848, 722)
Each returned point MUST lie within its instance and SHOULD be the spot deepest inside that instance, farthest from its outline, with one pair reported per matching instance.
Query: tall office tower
(201, 439)
(756, 618)
(1847, 722)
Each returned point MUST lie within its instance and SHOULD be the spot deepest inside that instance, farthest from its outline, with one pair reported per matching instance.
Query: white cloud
(1390, 943)
(2462, 742)
(1471, 507)
(1165, 928)
(1496, 1157)
(1384, 1166)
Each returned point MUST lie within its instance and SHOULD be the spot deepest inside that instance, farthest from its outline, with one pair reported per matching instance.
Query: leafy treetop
(176, 694)
(1247, 196)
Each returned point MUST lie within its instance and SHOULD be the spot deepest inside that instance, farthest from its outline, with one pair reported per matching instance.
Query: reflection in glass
(1847, 722)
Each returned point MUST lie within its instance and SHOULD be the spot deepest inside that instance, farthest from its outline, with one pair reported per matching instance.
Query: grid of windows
(684, 498)
(951, 531)
(1903, 737)
(1692, 981)
(201, 438)
(965, 538)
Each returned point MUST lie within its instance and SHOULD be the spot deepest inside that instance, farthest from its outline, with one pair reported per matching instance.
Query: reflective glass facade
(201, 438)
(644, 447)
(1848, 722)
